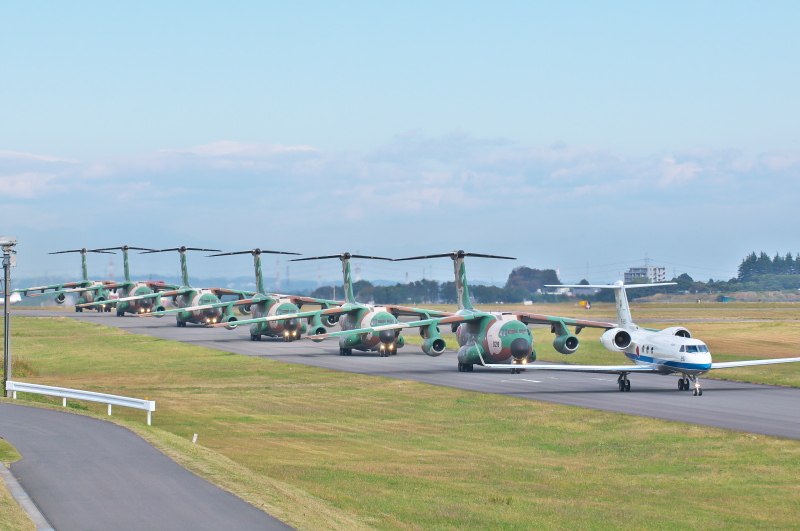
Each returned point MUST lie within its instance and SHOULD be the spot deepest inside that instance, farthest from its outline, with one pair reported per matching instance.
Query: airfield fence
(77, 394)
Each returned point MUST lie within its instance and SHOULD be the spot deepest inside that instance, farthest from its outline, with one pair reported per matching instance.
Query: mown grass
(329, 450)
(12, 517)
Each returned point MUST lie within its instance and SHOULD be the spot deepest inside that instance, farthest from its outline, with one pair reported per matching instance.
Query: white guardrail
(77, 394)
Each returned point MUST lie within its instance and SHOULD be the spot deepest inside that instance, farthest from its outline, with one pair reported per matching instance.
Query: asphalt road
(763, 409)
(86, 474)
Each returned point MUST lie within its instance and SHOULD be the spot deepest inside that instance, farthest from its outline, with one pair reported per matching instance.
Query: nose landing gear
(684, 384)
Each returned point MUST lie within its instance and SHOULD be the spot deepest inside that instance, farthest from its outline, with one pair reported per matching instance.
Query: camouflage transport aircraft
(262, 304)
(484, 337)
(87, 290)
(184, 296)
(353, 315)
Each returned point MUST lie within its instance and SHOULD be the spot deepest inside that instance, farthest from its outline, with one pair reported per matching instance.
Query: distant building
(653, 274)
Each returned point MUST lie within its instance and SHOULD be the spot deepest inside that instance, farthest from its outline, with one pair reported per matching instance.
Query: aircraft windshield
(696, 348)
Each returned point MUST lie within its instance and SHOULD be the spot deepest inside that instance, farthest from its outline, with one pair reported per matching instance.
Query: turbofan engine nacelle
(433, 346)
(677, 331)
(60, 298)
(616, 339)
(314, 330)
(246, 309)
(231, 322)
(329, 320)
(159, 308)
(566, 344)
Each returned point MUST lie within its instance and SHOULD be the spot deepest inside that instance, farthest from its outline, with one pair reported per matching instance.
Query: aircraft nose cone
(291, 324)
(520, 348)
(386, 336)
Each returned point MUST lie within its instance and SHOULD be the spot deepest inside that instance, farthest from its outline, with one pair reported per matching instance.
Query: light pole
(8, 251)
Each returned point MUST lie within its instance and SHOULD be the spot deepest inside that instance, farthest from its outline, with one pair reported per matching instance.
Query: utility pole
(8, 252)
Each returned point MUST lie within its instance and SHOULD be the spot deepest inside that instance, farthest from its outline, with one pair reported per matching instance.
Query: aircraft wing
(607, 369)
(240, 293)
(240, 302)
(136, 298)
(535, 318)
(56, 287)
(415, 312)
(748, 363)
(298, 315)
(306, 300)
(400, 326)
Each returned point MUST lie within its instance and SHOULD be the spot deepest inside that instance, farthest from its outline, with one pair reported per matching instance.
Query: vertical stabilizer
(462, 288)
(84, 269)
(348, 279)
(184, 270)
(125, 265)
(259, 273)
(624, 319)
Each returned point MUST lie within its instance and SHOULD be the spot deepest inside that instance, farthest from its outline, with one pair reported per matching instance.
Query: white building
(653, 274)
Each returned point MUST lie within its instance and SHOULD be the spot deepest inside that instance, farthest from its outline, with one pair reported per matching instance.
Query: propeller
(454, 255)
(122, 248)
(254, 252)
(181, 249)
(83, 251)
(342, 256)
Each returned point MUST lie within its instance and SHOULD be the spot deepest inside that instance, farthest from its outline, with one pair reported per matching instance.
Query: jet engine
(566, 343)
(677, 331)
(231, 322)
(159, 308)
(433, 346)
(314, 330)
(616, 339)
(245, 309)
(330, 320)
(60, 298)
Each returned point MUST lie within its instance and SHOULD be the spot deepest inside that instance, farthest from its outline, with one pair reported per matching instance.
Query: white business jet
(669, 351)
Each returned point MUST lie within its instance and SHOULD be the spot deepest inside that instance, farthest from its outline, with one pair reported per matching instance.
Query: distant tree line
(756, 266)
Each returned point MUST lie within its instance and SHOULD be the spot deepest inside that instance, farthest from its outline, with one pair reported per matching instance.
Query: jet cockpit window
(692, 348)
(702, 348)
(683, 348)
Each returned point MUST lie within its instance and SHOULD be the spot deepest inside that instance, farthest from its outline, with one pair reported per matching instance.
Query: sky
(583, 136)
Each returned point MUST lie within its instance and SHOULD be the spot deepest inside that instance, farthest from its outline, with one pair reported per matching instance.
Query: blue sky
(561, 133)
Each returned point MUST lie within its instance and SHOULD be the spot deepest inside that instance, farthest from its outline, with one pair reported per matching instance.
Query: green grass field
(328, 450)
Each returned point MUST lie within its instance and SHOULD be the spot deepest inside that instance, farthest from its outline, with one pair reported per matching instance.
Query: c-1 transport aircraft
(261, 304)
(353, 315)
(87, 290)
(482, 336)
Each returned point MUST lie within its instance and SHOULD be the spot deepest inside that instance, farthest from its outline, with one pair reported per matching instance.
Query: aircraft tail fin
(624, 319)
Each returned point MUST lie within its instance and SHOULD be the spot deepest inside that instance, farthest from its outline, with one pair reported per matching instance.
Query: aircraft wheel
(680, 384)
(621, 386)
(77, 309)
(460, 367)
(699, 392)
(469, 367)
(627, 385)
(341, 351)
(695, 392)
(348, 352)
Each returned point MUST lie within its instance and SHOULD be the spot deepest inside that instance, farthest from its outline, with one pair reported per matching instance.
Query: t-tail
(84, 269)
(256, 264)
(460, 270)
(348, 278)
(184, 267)
(624, 319)
(124, 249)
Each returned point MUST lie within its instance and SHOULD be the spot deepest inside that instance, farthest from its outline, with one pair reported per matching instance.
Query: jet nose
(386, 336)
(520, 348)
(291, 324)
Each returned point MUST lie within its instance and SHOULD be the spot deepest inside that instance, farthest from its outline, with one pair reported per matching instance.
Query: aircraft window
(702, 348)
(691, 348)
(683, 349)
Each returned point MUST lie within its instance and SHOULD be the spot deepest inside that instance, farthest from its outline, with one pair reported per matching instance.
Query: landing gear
(345, 351)
(120, 314)
(516, 371)
(683, 384)
(78, 309)
(181, 324)
(108, 309)
(623, 383)
(464, 367)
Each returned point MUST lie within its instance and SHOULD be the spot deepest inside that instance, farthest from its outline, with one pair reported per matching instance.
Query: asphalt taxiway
(763, 409)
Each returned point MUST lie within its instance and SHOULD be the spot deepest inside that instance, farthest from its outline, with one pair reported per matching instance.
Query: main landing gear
(256, 337)
(181, 324)
(685, 385)
(464, 367)
(345, 351)
(623, 382)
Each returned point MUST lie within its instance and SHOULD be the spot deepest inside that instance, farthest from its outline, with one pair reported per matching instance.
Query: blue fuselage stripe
(679, 365)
